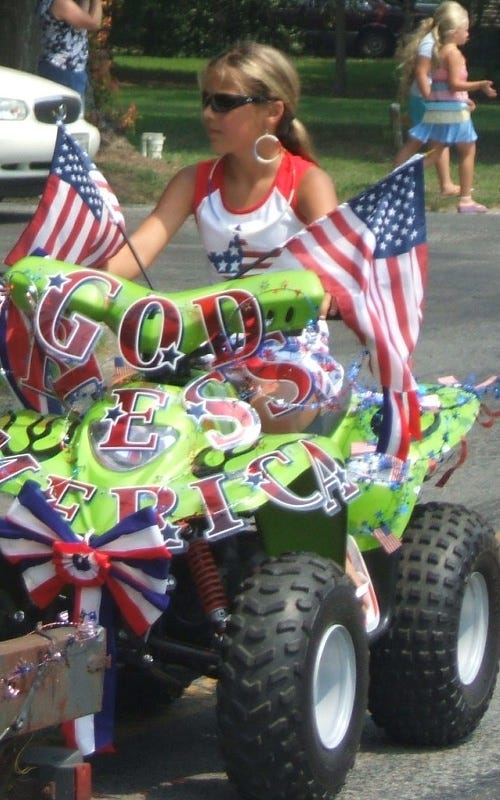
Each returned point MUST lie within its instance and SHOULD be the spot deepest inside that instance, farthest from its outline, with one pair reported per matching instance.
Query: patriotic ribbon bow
(131, 559)
(129, 563)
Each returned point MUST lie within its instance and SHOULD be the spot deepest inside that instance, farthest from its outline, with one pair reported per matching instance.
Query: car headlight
(13, 109)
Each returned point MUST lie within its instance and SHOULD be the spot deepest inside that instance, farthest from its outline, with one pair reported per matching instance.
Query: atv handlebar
(253, 305)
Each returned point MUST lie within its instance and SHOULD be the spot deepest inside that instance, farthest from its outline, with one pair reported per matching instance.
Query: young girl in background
(447, 117)
(415, 55)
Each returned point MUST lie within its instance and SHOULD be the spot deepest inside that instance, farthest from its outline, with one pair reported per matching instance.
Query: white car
(29, 106)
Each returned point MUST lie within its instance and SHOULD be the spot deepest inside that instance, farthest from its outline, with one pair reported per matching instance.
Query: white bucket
(152, 144)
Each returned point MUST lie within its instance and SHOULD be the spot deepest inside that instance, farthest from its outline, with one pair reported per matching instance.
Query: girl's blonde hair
(263, 70)
(448, 17)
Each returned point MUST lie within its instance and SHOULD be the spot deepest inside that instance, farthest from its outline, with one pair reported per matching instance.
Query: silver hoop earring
(266, 137)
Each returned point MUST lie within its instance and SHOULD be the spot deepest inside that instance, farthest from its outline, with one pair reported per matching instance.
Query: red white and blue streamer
(125, 568)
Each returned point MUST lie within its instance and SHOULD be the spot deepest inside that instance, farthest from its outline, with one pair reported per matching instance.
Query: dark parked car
(372, 26)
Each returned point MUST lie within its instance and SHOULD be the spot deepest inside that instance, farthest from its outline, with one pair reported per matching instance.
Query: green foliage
(201, 28)
(188, 27)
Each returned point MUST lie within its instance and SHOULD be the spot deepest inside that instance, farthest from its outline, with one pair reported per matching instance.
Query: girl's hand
(329, 308)
(488, 89)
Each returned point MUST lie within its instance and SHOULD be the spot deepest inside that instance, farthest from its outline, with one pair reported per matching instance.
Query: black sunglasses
(221, 103)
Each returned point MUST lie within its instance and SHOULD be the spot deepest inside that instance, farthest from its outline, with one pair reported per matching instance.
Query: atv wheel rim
(334, 685)
(472, 628)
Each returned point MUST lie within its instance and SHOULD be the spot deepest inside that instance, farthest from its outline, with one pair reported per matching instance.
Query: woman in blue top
(64, 47)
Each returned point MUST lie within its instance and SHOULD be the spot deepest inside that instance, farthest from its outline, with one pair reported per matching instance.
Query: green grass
(352, 135)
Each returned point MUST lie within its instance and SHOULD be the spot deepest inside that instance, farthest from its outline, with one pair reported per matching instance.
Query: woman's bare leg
(467, 155)
(434, 154)
(446, 185)
(410, 147)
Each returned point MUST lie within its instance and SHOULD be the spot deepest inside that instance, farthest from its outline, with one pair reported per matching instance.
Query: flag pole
(61, 116)
(270, 254)
(136, 256)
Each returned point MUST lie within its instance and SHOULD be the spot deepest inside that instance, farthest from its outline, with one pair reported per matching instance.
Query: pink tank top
(440, 89)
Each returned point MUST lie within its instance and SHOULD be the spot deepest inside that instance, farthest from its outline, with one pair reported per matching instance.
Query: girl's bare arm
(173, 208)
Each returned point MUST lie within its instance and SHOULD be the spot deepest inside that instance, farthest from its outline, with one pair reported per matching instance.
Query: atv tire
(434, 671)
(292, 694)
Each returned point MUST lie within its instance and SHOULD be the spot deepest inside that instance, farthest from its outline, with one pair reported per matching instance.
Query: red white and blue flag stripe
(371, 254)
(126, 568)
(78, 218)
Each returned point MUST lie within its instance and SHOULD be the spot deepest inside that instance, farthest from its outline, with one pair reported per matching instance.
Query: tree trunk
(18, 34)
(340, 85)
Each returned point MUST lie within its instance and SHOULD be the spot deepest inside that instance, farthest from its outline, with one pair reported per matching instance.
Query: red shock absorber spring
(207, 580)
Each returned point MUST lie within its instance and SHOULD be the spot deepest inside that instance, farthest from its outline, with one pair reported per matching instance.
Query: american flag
(78, 218)
(388, 540)
(371, 254)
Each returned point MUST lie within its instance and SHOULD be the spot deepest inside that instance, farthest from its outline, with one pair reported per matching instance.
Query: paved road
(173, 755)
(171, 752)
